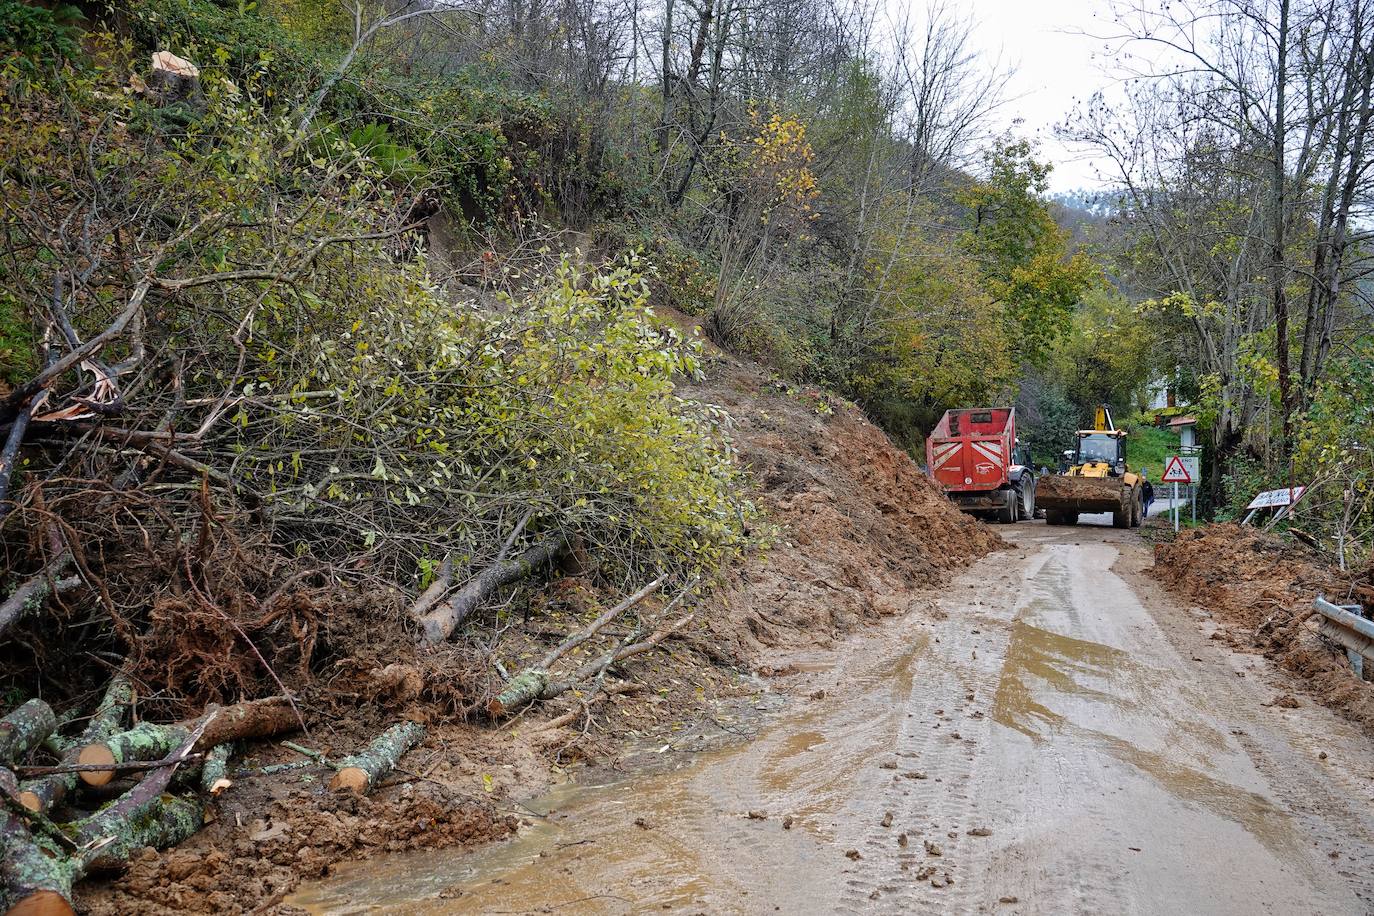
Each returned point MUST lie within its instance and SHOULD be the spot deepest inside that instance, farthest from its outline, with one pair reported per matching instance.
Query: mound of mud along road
(1260, 589)
(862, 528)
(855, 532)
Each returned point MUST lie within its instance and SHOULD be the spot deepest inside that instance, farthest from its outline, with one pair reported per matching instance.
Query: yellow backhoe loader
(1096, 479)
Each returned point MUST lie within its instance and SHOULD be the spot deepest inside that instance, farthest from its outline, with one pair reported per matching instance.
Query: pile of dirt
(861, 528)
(259, 847)
(1259, 588)
(854, 533)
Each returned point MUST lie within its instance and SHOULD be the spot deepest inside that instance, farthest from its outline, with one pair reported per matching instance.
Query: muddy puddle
(700, 832)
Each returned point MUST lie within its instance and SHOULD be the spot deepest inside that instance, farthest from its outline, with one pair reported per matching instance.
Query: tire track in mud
(937, 755)
(1043, 699)
(1332, 804)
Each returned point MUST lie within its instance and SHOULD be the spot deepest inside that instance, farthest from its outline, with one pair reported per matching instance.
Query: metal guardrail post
(1340, 624)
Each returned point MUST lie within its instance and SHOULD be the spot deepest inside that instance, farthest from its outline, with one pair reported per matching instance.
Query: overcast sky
(1054, 68)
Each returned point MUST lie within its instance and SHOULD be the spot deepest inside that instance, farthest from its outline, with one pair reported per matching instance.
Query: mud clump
(1259, 588)
(265, 839)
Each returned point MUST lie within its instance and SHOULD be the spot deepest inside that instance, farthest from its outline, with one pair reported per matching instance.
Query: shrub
(36, 36)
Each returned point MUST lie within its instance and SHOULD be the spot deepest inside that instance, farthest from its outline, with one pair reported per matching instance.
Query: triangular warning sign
(1175, 472)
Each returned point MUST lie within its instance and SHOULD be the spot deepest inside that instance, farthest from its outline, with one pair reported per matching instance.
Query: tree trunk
(252, 719)
(32, 883)
(144, 742)
(163, 823)
(435, 591)
(440, 623)
(529, 685)
(521, 690)
(360, 772)
(42, 794)
(149, 741)
(24, 729)
(1280, 218)
(214, 773)
(615, 657)
(31, 594)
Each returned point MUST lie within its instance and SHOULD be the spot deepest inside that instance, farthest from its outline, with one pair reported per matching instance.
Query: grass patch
(1149, 447)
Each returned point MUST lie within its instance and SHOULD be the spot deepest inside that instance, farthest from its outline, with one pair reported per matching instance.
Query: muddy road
(1054, 735)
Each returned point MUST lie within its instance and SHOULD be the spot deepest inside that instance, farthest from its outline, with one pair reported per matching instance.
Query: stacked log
(40, 861)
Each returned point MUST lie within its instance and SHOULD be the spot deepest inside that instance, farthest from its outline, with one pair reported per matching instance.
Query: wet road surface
(1055, 736)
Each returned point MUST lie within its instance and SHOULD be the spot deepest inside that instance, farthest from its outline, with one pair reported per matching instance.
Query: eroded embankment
(1260, 589)
(859, 532)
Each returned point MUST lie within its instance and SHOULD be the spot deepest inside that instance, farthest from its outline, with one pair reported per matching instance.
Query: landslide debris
(862, 529)
(1260, 589)
(856, 532)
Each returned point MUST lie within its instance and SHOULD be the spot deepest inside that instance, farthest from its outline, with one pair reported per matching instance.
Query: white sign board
(1175, 471)
(1193, 465)
(1272, 499)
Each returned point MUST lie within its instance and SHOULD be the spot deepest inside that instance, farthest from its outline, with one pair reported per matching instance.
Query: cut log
(43, 793)
(440, 623)
(159, 825)
(150, 742)
(214, 773)
(251, 719)
(32, 883)
(520, 691)
(24, 729)
(145, 741)
(362, 771)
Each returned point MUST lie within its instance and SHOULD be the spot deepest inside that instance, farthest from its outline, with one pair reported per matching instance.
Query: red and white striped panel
(989, 450)
(941, 454)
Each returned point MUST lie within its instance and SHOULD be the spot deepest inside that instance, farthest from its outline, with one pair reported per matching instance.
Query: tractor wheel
(1027, 494)
(1125, 515)
(1138, 510)
(1007, 513)
(1060, 517)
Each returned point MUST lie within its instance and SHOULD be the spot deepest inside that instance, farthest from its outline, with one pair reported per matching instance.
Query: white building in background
(1186, 427)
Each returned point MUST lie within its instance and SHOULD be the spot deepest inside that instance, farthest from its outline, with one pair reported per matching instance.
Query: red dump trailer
(974, 454)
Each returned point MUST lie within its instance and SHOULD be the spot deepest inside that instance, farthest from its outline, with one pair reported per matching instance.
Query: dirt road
(1055, 736)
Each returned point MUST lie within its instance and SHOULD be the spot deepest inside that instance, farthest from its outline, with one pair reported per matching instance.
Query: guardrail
(1342, 624)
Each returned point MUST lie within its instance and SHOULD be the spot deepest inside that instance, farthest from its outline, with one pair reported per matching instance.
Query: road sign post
(1176, 472)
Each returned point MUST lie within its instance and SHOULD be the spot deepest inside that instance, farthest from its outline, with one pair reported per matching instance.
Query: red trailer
(974, 454)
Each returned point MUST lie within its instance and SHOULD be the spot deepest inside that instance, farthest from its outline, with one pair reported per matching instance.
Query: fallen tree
(439, 624)
(536, 683)
(530, 683)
